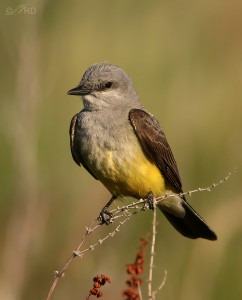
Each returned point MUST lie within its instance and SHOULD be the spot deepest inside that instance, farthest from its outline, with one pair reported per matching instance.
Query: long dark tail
(191, 225)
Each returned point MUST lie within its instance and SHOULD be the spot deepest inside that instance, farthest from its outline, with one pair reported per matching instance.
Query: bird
(124, 146)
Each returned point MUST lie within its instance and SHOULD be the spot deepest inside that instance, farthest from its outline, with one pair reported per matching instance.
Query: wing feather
(155, 145)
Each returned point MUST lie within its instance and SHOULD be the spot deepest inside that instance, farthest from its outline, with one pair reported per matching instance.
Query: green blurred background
(185, 59)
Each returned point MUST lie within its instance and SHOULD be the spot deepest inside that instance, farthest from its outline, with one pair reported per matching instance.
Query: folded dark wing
(155, 145)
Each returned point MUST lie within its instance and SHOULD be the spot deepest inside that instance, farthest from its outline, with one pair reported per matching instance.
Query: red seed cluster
(98, 281)
(134, 270)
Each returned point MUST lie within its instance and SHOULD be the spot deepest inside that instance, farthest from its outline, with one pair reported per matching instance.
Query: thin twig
(160, 287)
(78, 253)
(139, 203)
(152, 252)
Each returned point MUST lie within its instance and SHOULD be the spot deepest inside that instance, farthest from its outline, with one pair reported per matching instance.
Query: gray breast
(100, 133)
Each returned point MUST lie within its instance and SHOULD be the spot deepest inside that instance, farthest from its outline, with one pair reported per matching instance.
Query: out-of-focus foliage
(185, 59)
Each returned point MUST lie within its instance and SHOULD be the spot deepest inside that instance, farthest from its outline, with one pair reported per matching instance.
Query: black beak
(79, 91)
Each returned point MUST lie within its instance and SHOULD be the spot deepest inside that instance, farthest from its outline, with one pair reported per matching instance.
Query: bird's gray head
(106, 86)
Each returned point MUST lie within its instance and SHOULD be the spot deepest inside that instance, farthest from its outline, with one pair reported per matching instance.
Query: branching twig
(161, 285)
(77, 252)
(138, 204)
(126, 212)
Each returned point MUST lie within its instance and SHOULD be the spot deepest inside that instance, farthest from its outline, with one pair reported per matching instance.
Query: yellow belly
(135, 176)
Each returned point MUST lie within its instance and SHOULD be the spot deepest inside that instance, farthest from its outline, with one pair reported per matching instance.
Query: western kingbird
(121, 144)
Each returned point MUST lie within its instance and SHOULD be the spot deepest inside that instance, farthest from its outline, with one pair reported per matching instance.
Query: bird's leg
(150, 200)
(105, 215)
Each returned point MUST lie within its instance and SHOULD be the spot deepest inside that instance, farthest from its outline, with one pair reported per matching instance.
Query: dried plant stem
(77, 253)
(60, 273)
(161, 285)
(152, 253)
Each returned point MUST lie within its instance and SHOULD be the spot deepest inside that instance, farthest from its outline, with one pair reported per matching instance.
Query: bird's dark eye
(108, 85)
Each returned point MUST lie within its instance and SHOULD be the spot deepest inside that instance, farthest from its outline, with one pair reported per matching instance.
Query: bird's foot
(150, 201)
(106, 217)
